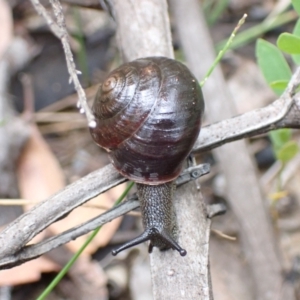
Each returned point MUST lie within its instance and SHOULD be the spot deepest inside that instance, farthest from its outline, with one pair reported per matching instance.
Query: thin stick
(66, 268)
(17, 202)
(223, 235)
(59, 29)
(20, 202)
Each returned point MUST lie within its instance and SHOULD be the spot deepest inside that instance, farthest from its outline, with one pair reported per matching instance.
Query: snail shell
(148, 116)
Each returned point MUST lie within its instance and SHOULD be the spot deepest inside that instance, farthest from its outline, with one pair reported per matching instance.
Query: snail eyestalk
(147, 235)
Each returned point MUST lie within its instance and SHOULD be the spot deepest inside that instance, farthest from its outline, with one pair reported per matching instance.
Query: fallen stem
(223, 51)
(66, 268)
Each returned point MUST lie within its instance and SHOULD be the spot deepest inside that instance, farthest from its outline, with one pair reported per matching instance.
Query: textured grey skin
(157, 211)
(158, 218)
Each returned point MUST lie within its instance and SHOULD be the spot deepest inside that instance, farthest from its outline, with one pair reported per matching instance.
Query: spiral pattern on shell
(148, 117)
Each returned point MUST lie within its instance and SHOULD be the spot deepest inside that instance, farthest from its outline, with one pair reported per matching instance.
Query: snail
(148, 114)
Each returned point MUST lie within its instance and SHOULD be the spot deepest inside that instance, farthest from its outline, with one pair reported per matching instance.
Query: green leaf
(279, 84)
(296, 32)
(287, 152)
(280, 137)
(272, 63)
(296, 4)
(289, 43)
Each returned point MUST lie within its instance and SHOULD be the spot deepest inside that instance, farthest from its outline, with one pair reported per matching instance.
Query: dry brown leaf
(28, 272)
(39, 173)
(6, 25)
(39, 176)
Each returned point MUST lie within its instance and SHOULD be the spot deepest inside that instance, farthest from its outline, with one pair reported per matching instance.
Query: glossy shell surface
(148, 117)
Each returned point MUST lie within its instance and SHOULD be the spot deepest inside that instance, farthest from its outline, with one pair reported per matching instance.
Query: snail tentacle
(149, 234)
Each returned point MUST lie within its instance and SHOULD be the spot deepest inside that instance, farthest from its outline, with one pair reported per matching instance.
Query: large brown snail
(148, 114)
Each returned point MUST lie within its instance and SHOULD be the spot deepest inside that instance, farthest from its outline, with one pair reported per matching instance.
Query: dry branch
(23, 229)
(33, 251)
(19, 241)
(58, 28)
(282, 113)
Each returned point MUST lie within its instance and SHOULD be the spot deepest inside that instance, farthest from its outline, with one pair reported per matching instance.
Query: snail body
(148, 115)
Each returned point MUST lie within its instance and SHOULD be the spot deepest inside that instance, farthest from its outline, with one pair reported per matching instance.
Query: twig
(28, 96)
(223, 235)
(40, 9)
(293, 84)
(17, 202)
(33, 251)
(22, 230)
(74, 258)
(61, 127)
(250, 124)
(21, 202)
(59, 29)
(84, 189)
(282, 113)
(51, 117)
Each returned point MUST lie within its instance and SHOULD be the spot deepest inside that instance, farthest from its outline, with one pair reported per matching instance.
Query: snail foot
(152, 235)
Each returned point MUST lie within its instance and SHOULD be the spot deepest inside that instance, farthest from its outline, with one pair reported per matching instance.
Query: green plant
(283, 146)
(271, 60)
(277, 73)
(213, 9)
(252, 33)
(223, 51)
